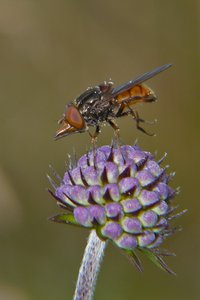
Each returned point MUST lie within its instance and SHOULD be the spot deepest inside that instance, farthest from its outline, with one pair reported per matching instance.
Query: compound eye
(74, 118)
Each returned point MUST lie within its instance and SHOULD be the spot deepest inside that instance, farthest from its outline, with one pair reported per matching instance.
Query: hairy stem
(90, 267)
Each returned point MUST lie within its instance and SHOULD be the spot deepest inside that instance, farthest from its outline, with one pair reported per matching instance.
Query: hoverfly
(104, 103)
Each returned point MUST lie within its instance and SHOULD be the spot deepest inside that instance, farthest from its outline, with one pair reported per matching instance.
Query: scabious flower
(124, 195)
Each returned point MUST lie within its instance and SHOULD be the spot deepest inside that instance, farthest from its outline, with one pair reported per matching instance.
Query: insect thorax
(94, 106)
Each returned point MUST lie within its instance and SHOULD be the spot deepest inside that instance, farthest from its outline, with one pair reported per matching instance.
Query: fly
(104, 104)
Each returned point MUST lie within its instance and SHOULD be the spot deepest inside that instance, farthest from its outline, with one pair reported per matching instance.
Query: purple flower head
(123, 194)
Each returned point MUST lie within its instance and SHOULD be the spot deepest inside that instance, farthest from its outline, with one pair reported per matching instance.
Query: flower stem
(90, 268)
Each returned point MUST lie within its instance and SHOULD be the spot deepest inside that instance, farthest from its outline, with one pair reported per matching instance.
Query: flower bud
(123, 194)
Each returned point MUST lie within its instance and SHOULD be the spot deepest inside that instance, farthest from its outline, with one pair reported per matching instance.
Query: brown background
(50, 51)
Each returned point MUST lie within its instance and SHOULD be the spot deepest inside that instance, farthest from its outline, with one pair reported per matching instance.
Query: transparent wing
(130, 84)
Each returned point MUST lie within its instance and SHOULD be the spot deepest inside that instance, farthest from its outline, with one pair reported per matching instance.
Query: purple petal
(78, 194)
(128, 184)
(112, 172)
(161, 209)
(97, 194)
(88, 159)
(132, 225)
(148, 218)
(146, 239)
(131, 205)
(67, 179)
(113, 191)
(161, 225)
(61, 193)
(130, 165)
(145, 178)
(76, 175)
(154, 168)
(147, 198)
(158, 241)
(171, 192)
(118, 156)
(112, 230)
(139, 157)
(162, 189)
(113, 210)
(82, 216)
(100, 158)
(127, 241)
(97, 213)
(90, 175)
(126, 149)
(106, 150)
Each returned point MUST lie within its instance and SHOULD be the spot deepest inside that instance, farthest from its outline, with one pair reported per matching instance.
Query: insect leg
(94, 136)
(116, 129)
(120, 112)
(129, 102)
(135, 115)
(129, 112)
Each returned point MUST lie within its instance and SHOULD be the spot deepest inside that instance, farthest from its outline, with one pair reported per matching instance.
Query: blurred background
(50, 52)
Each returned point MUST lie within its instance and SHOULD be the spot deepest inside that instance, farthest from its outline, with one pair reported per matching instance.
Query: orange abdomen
(139, 92)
